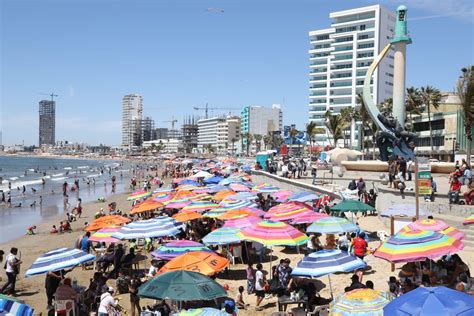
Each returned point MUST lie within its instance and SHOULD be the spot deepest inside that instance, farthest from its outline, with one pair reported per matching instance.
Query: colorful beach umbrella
(282, 195)
(10, 306)
(162, 197)
(146, 206)
(186, 216)
(238, 187)
(417, 245)
(222, 236)
(238, 204)
(202, 174)
(200, 206)
(213, 180)
(156, 227)
(58, 259)
(242, 222)
(270, 233)
(139, 195)
(107, 221)
(427, 301)
(201, 197)
(325, 262)
(219, 196)
(177, 203)
(187, 187)
(104, 235)
(265, 188)
(303, 197)
(442, 228)
(216, 212)
(287, 211)
(469, 220)
(428, 224)
(182, 285)
(205, 262)
(204, 311)
(308, 217)
(218, 188)
(352, 206)
(332, 225)
(175, 248)
(235, 214)
(453, 232)
(360, 302)
(240, 196)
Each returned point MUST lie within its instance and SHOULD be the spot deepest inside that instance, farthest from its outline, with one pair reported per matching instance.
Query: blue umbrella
(222, 236)
(218, 188)
(213, 180)
(59, 259)
(188, 181)
(156, 227)
(12, 307)
(427, 301)
(303, 196)
(243, 196)
(327, 261)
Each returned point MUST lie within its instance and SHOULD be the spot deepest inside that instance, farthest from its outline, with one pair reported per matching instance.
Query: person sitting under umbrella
(65, 291)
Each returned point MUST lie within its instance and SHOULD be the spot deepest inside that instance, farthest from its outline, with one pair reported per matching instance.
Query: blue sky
(178, 54)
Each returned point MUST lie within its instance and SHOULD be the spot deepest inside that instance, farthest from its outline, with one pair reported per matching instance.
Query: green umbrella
(352, 206)
(182, 286)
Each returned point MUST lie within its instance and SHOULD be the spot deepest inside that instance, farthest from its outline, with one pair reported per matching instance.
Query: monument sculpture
(392, 137)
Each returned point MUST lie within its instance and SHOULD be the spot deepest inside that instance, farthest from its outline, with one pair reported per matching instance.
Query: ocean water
(15, 172)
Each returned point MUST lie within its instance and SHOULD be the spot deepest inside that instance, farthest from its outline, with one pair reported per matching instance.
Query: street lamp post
(454, 149)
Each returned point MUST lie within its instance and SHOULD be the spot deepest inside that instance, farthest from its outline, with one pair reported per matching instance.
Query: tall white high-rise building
(340, 57)
(218, 133)
(132, 115)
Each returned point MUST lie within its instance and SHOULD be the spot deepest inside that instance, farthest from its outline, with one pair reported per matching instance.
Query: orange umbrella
(183, 194)
(186, 216)
(145, 206)
(207, 263)
(223, 194)
(234, 214)
(107, 221)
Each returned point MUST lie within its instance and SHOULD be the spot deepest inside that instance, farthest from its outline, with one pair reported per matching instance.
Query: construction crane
(52, 95)
(172, 121)
(207, 108)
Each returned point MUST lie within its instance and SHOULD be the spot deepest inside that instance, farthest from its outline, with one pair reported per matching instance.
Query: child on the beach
(31, 230)
(53, 230)
(239, 300)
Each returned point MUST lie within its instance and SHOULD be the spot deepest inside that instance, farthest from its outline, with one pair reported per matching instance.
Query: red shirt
(455, 185)
(360, 246)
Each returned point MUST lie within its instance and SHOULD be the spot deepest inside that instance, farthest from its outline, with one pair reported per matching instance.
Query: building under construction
(190, 133)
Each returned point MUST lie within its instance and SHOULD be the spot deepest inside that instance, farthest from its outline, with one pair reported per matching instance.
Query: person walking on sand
(65, 188)
(12, 268)
(259, 286)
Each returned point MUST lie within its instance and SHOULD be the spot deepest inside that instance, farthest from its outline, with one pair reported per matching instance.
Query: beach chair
(64, 307)
(321, 310)
(235, 254)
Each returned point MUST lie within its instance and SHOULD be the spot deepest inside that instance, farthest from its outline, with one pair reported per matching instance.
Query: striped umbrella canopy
(10, 306)
(216, 212)
(265, 188)
(428, 224)
(107, 221)
(201, 197)
(177, 203)
(417, 245)
(360, 302)
(332, 225)
(270, 233)
(235, 214)
(222, 236)
(205, 311)
(163, 190)
(200, 206)
(351, 206)
(213, 180)
(58, 259)
(204, 262)
(146, 206)
(205, 189)
(242, 222)
(162, 197)
(447, 230)
(282, 195)
(287, 211)
(219, 196)
(202, 174)
(239, 187)
(186, 187)
(139, 195)
(308, 217)
(238, 204)
(303, 196)
(175, 248)
(186, 216)
(240, 196)
(218, 188)
(469, 220)
(105, 235)
(188, 181)
(156, 227)
(325, 262)
(230, 180)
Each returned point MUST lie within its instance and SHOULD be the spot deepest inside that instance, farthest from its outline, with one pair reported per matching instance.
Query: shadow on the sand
(293, 251)
(21, 293)
(233, 274)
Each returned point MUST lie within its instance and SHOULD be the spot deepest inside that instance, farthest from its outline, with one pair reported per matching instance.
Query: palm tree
(233, 140)
(348, 114)
(465, 91)
(386, 105)
(258, 141)
(249, 139)
(335, 125)
(413, 103)
(311, 131)
(293, 133)
(266, 141)
(242, 137)
(431, 98)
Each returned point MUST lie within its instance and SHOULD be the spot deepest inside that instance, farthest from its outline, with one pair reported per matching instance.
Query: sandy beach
(31, 290)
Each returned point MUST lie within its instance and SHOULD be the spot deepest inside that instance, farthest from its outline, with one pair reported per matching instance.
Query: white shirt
(258, 277)
(10, 260)
(106, 300)
(152, 271)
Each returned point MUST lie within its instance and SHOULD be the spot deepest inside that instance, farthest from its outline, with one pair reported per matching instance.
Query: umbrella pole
(330, 285)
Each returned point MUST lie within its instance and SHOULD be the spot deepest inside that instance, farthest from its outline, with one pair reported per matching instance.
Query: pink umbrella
(428, 224)
(238, 187)
(453, 232)
(177, 203)
(308, 217)
(105, 235)
(282, 195)
(162, 197)
(242, 222)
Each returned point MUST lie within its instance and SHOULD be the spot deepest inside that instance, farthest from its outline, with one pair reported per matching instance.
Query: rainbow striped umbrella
(360, 302)
(162, 197)
(435, 225)
(417, 245)
(105, 235)
(204, 311)
(282, 195)
(139, 195)
(270, 233)
(177, 203)
(200, 206)
(469, 220)
(240, 196)
(216, 212)
(287, 211)
(222, 236)
(175, 248)
(265, 188)
(332, 225)
(242, 222)
(200, 197)
(238, 187)
(163, 190)
(238, 204)
(308, 217)
(186, 187)
(453, 232)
